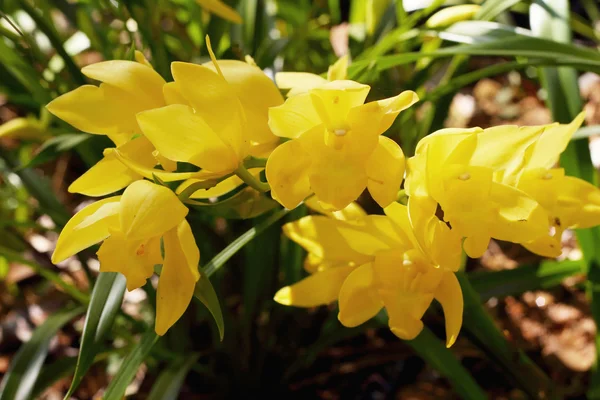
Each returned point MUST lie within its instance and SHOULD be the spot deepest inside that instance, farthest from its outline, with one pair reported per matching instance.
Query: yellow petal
(181, 135)
(546, 246)
(546, 150)
(351, 212)
(178, 277)
(214, 101)
(385, 171)
(449, 295)
(295, 116)
(390, 108)
(475, 246)
(223, 187)
(318, 289)
(104, 110)
(119, 254)
(149, 210)
(334, 100)
(257, 93)
(134, 78)
(221, 9)
(173, 94)
(165, 163)
(402, 322)
(110, 174)
(578, 203)
(141, 58)
(358, 298)
(287, 173)
(338, 70)
(72, 239)
(520, 218)
(298, 82)
(356, 241)
(336, 177)
(165, 176)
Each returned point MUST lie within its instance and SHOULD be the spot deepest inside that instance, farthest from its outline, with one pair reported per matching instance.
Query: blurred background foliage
(68, 331)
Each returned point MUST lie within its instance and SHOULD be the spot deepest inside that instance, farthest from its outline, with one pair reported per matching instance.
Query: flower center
(340, 132)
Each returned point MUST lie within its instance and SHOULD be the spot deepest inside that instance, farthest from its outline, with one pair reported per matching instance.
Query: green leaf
(524, 278)
(245, 204)
(53, 147)
(551, 20)
(434, 352)
(105, 303)
(168, 384)
(235, 246)
(205, 292)
(52, 373)
(116, 388)
(495, 42)
(482, 331)
(490, 9)
(19, 381)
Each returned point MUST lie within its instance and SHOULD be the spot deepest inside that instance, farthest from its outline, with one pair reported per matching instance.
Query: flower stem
(254, 162)
(250, 180)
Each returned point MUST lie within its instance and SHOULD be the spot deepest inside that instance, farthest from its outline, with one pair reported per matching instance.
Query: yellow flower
(568, 201)
(336, 149)
(302, 82)
(131, 227)
(216, 115)
(109, 109)
(484, 184)
(400, 262)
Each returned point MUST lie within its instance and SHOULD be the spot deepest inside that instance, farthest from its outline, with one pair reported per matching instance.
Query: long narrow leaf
(169, 382)
(20, 379)
(551, 20)
(104, 305)
(527, 277)
(116, 388)
(482, 330)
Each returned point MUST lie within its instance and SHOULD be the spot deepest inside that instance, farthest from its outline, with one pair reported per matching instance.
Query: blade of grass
(25, 367)
(105, 303)
(169, 382)
(526, 277)
(482, 330)
(45, 25)
(551, 20)
(228, 252)
(434, 352)
(117, 386)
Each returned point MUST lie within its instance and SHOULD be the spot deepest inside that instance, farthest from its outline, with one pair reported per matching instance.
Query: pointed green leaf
(19, 381)
(116, 388)
(205, 292)
(169, 382)
(105, 303)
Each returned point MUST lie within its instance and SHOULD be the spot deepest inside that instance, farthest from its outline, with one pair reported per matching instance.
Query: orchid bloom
(216, 116)
(110, 109)
(498, 182)
(131, 228)
(336, 148)
(401, 261)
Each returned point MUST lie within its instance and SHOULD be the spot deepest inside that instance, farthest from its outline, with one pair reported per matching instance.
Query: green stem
(228, 252)
(250, 180)
(255, 162)
(194, 187)
(483, 331)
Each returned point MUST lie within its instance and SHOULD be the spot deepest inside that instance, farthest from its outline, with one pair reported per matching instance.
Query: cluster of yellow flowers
(323, 145)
